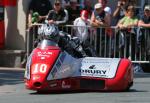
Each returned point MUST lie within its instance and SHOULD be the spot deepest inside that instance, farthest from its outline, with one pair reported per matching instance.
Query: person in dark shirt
(144, 22)
(37, 13)
(99, 17)
(58, 15)
(73, 11)
(38, 10)
(145, 19)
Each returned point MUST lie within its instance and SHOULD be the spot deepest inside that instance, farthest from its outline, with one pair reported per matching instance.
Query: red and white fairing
(50, 69)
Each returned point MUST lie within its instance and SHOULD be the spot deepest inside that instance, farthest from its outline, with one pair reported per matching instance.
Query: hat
(147, 7)
(84, 14)
(57, 1)
(98, 5)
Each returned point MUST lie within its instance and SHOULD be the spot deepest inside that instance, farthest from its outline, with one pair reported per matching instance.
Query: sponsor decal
(42, 58)
(39, 68)
(58, 64)
(53, 72)
(44, 54)
(62, 57)
(36, 77)
(99, 67)
(56, 68)
(53, 85)
(95, 61)
(92, 70)
(92, 67)
(65, 69)
(96, 72)
(65, 85)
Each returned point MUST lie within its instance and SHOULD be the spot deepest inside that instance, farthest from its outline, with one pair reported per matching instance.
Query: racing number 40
(39, 68)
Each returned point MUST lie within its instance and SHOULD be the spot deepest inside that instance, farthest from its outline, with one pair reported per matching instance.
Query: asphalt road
(12, 90)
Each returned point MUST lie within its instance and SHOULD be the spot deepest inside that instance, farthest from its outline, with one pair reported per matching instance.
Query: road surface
(12, 90)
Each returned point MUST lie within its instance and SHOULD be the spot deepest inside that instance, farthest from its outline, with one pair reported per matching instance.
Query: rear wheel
(129, 86)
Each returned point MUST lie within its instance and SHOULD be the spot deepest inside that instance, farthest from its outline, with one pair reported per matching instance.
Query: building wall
(15, 20)
(15, 25)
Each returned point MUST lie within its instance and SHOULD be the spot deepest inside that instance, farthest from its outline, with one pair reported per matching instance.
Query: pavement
(11, 69)
(9, 77)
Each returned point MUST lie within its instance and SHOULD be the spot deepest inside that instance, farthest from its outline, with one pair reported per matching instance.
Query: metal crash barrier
(108, 42)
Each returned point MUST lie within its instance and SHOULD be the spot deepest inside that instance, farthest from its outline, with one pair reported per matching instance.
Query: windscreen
(45, 43)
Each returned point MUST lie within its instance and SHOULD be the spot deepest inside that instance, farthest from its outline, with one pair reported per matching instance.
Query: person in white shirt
(81, 25)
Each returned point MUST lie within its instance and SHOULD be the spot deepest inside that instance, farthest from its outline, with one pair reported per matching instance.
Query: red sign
(2, 34)
(10, 2)
(1, 2)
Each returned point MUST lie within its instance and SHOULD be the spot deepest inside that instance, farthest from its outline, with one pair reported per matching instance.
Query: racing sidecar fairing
(50, 69)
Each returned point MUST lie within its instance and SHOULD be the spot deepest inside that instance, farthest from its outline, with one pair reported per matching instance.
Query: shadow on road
(78, 92)
(142, 75)
(11, 77)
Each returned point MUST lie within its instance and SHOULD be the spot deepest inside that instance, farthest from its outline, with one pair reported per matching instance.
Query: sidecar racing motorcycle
(49, 68)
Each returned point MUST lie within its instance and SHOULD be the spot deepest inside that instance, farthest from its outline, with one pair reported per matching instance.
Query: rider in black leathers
(64, 40)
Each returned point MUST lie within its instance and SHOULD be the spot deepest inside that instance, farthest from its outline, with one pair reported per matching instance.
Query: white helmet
(49, 31)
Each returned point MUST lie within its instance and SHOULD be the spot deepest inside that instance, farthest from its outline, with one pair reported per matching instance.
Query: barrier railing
(108, 42)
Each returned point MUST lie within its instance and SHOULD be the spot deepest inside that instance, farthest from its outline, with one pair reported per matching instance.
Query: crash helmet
(84, 14)
(51, 32)
(41, 29)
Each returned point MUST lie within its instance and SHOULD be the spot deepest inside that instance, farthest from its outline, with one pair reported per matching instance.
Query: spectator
(73, 11)
(126, 25)
(105, 7)
(58, 15)
(119, 12)
(145, 19)
(65, 3)
(38, 10)
(82, 32)
(81, 23)
(99, 17)
(129, 20)
(88, 7)
(145, 23)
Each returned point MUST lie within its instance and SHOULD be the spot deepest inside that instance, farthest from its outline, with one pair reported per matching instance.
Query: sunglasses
(57, 4)
(146, 10)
